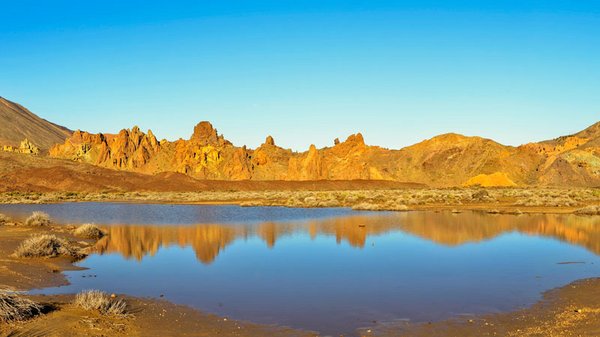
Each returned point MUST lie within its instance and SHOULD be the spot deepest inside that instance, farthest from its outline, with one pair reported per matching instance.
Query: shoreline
(28, 274)
(151, 316)
(490, 200)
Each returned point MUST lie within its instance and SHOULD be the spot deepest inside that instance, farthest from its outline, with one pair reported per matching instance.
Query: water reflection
(334, 272)
(208, 240)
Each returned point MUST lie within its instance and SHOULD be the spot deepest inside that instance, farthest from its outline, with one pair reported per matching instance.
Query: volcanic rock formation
(445, 160)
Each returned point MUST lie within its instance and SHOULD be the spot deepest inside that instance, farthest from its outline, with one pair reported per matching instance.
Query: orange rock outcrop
(445, 160)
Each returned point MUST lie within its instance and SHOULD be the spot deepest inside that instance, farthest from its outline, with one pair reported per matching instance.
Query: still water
(329, 270)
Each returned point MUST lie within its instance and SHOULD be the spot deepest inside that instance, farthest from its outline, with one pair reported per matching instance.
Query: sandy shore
(573, 310)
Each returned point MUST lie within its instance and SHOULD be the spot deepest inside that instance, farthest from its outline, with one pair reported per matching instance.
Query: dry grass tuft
(38, 219)
(4, 219)
(389, 206)
(589, 210)
(14, 308)
(47, 245)
(364, 206)
(102, 302)
(88, 231)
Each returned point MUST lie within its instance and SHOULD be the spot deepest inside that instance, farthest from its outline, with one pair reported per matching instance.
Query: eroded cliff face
(208, 155)
(131, 149)
(446, 160)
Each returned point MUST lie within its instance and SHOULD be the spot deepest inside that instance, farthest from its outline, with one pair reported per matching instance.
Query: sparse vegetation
(396, 199)
(4, 219)
(389, 206)
(589, 210)
(38, 219)
(16, 308)
(47, 245)
(102, 302)
(88, 231)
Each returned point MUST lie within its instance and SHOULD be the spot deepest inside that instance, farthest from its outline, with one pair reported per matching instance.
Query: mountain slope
(18, 123)
(443, 161)
(574, 159)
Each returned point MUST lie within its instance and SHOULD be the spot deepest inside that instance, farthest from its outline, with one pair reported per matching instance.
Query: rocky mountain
(445, 160)
(17, 124)
(571, 160)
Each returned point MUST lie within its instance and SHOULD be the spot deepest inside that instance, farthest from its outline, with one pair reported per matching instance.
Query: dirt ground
(573, 310)
(148, 318)
(22, 173)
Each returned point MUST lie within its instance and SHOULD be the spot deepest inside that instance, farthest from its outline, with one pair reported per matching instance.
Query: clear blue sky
(307, 71)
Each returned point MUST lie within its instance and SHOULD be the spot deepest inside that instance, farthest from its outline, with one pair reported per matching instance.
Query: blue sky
(307, 71)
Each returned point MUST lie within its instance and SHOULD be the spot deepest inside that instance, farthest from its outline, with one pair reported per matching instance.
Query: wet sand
(149, 318)
(573, 310)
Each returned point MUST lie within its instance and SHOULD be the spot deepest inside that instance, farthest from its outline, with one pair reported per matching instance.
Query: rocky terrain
(442, 161)
(17, 124)
(446, 160)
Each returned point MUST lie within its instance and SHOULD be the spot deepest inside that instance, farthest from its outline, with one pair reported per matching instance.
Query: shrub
(328, 203)
(102, 302)
(38, 219)
(363, 206)
(589, 210)
(481, 195)
(251, 203)
(88, 231)
(14, 308)
(4, 219)
(47, 245)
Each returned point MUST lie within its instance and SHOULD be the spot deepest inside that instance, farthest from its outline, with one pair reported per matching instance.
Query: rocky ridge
(17, 123)
(445, 160)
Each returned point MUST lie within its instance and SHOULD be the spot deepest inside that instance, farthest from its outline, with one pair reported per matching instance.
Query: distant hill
(18, 123)
(443, 161)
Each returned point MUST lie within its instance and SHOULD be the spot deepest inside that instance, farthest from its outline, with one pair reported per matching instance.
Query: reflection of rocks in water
(448, 229)
(139, 241)
(271, 231)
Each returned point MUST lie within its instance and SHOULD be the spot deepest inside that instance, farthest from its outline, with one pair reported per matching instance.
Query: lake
(328, 270)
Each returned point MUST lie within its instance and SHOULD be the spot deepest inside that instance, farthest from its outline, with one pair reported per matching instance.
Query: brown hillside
(572, 160)
(445, 160)
(22, 173)
(17, 123)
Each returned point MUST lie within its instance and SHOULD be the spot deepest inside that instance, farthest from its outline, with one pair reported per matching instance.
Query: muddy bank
(148, 318)
(573, 310)
(25, 274)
